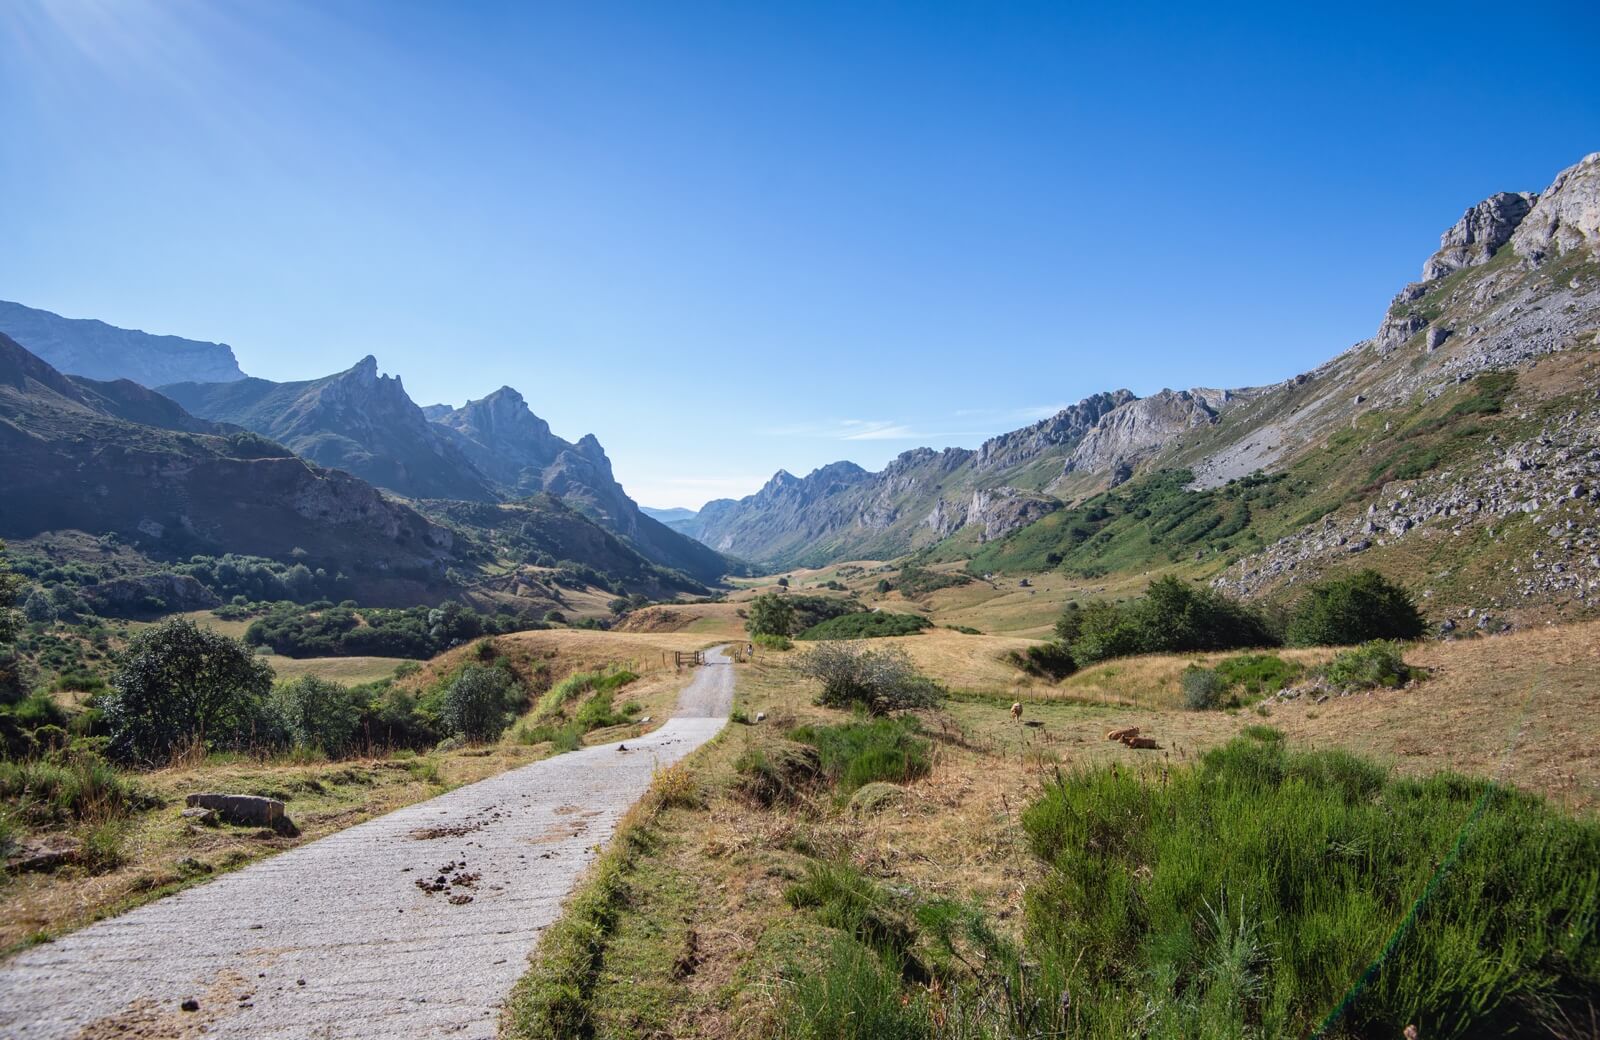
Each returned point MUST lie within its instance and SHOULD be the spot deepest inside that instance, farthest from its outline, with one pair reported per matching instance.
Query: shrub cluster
(326, 630)
(853, 754)
(876, 681)
(1354, 609)
(867, 625)
(1378, 663)
(1172, 617)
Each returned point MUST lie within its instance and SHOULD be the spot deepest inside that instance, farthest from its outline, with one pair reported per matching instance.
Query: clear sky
(728, 238)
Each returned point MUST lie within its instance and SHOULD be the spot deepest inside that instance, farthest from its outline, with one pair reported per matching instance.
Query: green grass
(1249, 894)
(47, 793)
(854, 754)
(1257, 675)
(867, 625)
(556, 697)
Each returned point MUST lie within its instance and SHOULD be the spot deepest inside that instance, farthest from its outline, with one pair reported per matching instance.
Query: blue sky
(728, 238)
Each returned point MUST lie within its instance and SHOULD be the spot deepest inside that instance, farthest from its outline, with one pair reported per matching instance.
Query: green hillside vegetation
(867, 625)
(1156, 521)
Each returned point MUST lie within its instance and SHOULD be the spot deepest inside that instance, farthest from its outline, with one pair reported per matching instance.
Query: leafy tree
(1354, 609)
(879, 681)
(480, 703)
(783, 583)
(178, 684)
(319, 713)
(770, 615)
(1173, 617)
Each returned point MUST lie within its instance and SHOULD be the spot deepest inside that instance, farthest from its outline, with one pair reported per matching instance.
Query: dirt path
(413, 925)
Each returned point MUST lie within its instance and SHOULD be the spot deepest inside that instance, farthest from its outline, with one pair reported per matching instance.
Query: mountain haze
(86, 347)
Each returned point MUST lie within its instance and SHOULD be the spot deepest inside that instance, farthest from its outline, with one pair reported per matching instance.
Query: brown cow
(1123, 735)
(1142, 744)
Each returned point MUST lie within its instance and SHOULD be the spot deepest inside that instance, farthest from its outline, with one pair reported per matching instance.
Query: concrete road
(415, 924)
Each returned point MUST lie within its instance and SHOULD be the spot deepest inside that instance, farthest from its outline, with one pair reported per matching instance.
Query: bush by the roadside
(76, 787)
(776, 774)
(178, 685)
(1378, 663)
(1247, 895)
(1354, 609)
(771, 642)
(481, 702)
(867, 625)
(878, 681)
(854, 754)
(319, 713)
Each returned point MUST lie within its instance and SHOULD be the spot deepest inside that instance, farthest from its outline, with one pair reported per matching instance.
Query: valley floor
(704, 938)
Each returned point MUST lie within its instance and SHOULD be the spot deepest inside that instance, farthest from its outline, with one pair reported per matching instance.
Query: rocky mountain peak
(1481, 230)
(1062, 429)
(1566, 216)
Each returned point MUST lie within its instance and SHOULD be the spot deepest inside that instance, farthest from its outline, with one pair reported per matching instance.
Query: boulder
(245, 810)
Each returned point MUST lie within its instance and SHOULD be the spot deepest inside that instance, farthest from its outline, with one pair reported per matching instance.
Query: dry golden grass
(1522, 707)
(1152, 680)
(349, 670)
(709, 620)
(959, 660)
(1005, 607)
(711, 887)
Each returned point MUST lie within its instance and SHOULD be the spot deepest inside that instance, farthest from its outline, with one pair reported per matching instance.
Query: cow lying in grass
(1130, 737)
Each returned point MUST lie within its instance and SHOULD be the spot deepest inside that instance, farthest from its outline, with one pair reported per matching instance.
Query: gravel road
(415, 924)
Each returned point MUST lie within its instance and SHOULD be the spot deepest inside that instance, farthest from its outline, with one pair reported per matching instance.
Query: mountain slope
(924, 496)
(1458, 448)
(518, 453)
(85, 347)
(355, 420)
(68, 461)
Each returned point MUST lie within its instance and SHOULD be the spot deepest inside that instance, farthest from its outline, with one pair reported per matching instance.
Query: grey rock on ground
(415, 924)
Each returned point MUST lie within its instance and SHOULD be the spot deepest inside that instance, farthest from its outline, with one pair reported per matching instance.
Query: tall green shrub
(1354, 609)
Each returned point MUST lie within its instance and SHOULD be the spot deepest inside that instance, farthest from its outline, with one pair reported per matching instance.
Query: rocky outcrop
(1553, 479)
(1567, 215)
(1481, 230)
(1004, 510)
(149, 595)
(1062, 430)
(85, 347)
(1140, 428)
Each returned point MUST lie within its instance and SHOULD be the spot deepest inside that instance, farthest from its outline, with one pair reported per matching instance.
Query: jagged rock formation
(70, 461)
(85, 347)
(1138, 429)
(518, 455)
(1061, 430)
(924, 496)
(356, 420)
(1480, 231)
(1567, 216)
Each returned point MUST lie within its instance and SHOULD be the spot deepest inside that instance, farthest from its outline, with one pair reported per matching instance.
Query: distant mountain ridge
(91, 348)
(489, 450)
(1513, 280)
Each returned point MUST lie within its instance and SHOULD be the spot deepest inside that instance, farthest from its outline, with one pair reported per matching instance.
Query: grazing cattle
(1016, 711)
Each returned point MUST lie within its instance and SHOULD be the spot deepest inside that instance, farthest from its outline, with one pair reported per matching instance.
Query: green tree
(1355, 609)
(1173, 617)
(770, 615)
(481, 702)
(178, 684)
(319, 713)
(783, 583)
